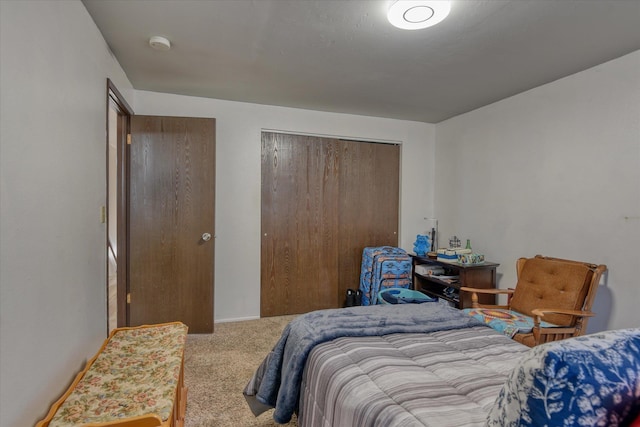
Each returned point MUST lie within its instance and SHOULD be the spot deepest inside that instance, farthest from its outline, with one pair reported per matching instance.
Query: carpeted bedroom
(171, 166)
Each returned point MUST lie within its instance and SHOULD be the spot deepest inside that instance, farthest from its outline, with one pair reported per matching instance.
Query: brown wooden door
(369, 204)
(299, 224)
(172, 184)
(323, 201)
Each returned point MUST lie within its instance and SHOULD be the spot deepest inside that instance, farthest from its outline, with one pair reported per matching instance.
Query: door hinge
(129, 298)
(128, 139)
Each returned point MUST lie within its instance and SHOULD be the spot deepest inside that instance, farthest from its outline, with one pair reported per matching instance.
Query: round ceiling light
(417, 14)
(159, 43)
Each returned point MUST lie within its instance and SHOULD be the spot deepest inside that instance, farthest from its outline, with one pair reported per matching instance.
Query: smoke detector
(159, 43)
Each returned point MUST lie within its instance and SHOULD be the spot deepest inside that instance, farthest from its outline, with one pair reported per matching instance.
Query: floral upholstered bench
(136, 379)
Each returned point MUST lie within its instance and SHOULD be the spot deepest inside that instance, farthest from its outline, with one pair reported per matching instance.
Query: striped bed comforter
(277, 381)
(443, 378)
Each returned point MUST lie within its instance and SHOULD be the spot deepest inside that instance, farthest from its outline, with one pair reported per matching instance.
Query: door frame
(115, 99)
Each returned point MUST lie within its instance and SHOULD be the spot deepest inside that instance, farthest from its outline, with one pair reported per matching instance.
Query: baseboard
(236, 319)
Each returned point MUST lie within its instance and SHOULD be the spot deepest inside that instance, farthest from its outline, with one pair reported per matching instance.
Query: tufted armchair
(551, 301)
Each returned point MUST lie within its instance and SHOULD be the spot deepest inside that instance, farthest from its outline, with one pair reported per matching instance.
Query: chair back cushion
(550, 283)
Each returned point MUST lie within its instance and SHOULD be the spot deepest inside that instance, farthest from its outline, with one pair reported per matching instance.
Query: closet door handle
(206, 237)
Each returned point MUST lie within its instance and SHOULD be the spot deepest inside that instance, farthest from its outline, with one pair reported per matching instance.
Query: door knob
(206, 237)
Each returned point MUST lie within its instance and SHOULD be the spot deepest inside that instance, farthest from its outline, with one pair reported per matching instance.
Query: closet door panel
(299, 270)
(369, 197)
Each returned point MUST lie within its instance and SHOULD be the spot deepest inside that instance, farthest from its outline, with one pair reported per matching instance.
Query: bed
(432, 365)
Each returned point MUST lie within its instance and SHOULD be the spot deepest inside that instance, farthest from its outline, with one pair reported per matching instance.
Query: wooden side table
(481, 276)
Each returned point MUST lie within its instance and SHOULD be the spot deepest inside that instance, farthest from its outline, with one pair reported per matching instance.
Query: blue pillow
(593, 380)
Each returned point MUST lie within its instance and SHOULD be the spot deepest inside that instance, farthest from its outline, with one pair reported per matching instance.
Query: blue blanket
(276, 383)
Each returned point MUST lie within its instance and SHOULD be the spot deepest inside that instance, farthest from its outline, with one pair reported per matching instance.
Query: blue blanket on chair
(276, 383)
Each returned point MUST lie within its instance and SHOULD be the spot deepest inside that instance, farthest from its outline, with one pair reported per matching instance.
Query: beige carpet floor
(219, 365)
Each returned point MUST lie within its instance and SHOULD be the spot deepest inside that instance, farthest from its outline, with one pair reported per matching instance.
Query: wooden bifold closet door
(323, 201)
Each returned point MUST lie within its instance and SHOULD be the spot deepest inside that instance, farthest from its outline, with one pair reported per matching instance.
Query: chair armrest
(542, 335)
(540, 312)
(487, 291)
(493, 291)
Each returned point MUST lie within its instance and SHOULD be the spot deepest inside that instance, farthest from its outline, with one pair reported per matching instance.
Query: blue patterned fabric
(369, 255)
(383, 267)
(507, 322)
(592, 380)
(403, 296)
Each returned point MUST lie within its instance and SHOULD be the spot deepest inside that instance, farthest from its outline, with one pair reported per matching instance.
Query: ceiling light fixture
(417, 14)
(159, 43)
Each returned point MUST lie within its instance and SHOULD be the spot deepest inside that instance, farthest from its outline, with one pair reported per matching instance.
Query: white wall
(552, 171)
(54, 65)
(239, 125)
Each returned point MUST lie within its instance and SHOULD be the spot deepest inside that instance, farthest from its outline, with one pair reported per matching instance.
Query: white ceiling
(343, 55)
